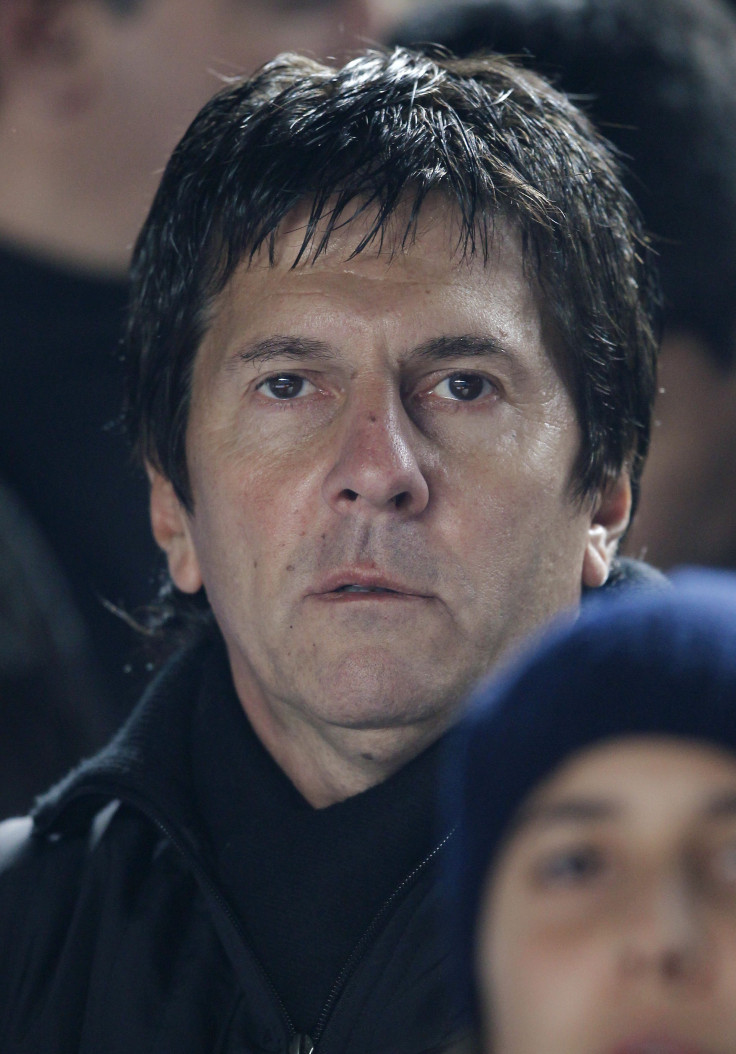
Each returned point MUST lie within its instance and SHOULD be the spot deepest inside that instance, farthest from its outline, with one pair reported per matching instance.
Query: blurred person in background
(592, 884)
(93, 96)
(659, 79)
(48, 716)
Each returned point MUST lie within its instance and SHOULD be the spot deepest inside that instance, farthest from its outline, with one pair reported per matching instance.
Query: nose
(376, 466)
(665, 935)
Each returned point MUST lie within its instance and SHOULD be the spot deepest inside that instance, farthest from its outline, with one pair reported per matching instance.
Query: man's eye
(463, 387)
(285, 386)
(569, 867)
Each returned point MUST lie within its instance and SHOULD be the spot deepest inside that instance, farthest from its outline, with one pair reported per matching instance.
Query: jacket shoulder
(29, 860)
(14, 841)
(55, 890)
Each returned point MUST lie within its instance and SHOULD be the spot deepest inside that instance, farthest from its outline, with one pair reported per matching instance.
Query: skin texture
(93, 102)
(608, 925)
(374, 470)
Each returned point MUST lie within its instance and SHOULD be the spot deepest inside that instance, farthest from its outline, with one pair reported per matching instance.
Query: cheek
(513, 463)
(252, 491)
(500, 504)
(538, 995)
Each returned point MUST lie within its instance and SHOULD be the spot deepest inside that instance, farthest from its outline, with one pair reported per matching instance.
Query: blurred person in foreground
(392, 359)
(659, 80)
(94, 95)
(593, 877)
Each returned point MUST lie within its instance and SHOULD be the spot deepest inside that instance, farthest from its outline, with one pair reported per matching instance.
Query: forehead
(637, 774)
(431, 242)
(401, 288)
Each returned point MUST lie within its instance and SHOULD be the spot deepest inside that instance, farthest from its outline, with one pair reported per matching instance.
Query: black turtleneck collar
(306, 882)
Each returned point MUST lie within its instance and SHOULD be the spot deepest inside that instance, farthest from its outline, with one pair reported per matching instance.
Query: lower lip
(376, 598)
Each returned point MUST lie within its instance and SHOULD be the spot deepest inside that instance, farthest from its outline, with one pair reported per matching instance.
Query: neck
(328, 763)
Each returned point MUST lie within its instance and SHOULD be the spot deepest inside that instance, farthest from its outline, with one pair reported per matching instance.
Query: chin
(375, 693)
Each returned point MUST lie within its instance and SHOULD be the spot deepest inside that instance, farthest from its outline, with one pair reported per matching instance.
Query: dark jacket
(116, 938)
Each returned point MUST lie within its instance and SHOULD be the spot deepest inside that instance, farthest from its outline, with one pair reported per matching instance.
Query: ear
(610, 519)
(170, 523)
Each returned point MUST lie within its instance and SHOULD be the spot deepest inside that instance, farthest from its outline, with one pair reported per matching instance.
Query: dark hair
(659, 79)
(386, 128)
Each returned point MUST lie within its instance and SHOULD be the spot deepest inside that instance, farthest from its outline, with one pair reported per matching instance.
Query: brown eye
(284, 386)
(569, 867)
(463, 387)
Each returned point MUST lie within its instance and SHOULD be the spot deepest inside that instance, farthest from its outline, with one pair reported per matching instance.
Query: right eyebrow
(569, 811)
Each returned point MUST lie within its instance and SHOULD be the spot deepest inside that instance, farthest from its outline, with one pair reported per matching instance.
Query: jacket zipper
(360, 948)
(300, 1043)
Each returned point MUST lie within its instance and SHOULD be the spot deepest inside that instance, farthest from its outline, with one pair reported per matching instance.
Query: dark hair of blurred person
(659, 79)
(591, 885)
(93, 96)
(50, 717)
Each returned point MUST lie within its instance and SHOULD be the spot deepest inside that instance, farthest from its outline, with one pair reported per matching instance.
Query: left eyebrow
(281, 347)
(441, 349)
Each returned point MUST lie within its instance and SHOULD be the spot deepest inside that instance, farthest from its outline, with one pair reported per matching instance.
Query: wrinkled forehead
(420, 280)
(631, 775)
(335, 279)
(357, 231)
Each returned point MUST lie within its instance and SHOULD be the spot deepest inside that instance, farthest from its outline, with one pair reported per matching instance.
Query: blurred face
(609, 923)
(380, 454)
(154, 67)
(170, 55)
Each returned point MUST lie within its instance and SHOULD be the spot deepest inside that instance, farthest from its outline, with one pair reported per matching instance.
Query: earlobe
(610, 519)
(170, 523)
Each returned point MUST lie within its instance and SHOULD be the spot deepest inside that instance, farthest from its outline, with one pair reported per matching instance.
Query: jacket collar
(148, 761)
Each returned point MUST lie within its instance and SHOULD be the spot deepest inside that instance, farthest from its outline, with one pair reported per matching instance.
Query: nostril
(402, 500)
(351, 495)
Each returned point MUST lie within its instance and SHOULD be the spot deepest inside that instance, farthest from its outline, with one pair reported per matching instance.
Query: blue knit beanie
(661, 663)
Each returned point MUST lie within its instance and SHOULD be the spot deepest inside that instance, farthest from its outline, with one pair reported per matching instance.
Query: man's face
(609, 923)
(380, 454)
